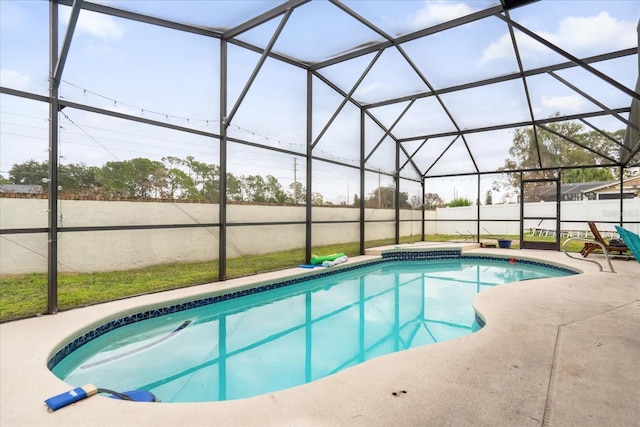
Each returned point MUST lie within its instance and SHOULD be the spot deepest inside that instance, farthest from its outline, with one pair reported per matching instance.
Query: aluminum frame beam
(515, 124)
(284, 8)
(532, 116)
(346, 99)
(57, 61)
(409, 37)
(387, 132)
(222, 189)
(506, 77)
(593, 100)
(572, 58)
(576, 142)
(52, 178)
(62, 58)
(227, 120)
(604, 134)
(440, 156)
(147, 19)
(440, 101)
(390, 135)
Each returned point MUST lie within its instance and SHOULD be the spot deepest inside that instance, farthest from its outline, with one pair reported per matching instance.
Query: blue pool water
(292, 335)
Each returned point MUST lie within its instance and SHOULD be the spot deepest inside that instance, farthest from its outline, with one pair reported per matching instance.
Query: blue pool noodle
(71, 396)
(135, 395)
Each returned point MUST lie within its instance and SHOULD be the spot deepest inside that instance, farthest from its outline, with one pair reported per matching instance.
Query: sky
(168, 75)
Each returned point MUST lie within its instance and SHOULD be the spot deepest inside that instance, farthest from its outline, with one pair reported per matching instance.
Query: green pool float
(320, 259)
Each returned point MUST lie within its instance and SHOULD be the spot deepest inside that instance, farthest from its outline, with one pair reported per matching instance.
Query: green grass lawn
(26, 295)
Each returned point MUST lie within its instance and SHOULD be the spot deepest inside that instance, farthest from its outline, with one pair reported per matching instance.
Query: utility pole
(379, 203)
(295, 181)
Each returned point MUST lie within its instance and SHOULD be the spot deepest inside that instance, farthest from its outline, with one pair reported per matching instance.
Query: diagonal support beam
(410, 157)
(440, 101)
(476, 16)
(635, 150)
(514, 125)
(387, 132)
(507, 77)
(524, 83)
(360, 19)
(595, 101)
(605, 134)
(261, 19)
(258, 67)
(440, 156)
(592, 99)
(578, 143)
(333, 86)
(62, 59)
(347, 98)
(572, 58)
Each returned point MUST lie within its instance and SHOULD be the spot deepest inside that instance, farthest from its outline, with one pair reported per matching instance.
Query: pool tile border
(394, 255)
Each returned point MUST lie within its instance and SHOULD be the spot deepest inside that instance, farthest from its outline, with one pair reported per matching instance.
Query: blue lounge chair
(632, 240)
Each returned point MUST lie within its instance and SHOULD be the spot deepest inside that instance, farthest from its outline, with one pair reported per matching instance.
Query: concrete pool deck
(561, 351)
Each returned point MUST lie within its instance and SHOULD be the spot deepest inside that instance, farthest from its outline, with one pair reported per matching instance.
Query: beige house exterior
(630, 187)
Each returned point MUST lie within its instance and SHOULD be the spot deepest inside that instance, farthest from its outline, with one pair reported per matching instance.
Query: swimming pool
(254, 342)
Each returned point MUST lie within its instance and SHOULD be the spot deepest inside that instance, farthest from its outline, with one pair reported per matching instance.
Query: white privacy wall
(125, 249)
(579, 211)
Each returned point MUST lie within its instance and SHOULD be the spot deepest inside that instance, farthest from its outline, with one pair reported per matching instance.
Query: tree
(137, 177)
(274, 191)
(29, 173)
(488, 200)
(556, 151)
(78, 178)
(415, 202)
(254, 188)
(433, 201)
(180, 185)
(384, 197)
(460, 201)
(297, 193)
(234, 188)
(587, 175)
(317, 199)
(206, 178)
(72, 178)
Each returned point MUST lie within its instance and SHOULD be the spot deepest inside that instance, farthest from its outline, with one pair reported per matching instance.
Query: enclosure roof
(449, 84)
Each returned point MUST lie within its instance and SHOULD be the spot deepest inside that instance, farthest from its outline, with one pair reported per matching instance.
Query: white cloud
(500, 48)
(601, 30)
(96, 49)
(573, 34)
(100, 26)
(503, 48)
(563, 103)
(370, 88)
(14, 79)
(438, 12)
(96, 25)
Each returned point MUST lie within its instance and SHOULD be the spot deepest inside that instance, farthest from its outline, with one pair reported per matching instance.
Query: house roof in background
(21, 189)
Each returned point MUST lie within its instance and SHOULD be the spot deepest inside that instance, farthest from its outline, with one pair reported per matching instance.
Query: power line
(302, 147)
(90, 137)
(142, 110)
